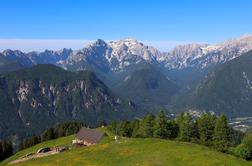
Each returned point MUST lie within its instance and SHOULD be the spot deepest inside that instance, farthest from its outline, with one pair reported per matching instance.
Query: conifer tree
(6, 149)
(48, 134)
(125, 129)
(160, 128)
(172, 129)
(113, 127)
(1, 151)
(206, 125)
(146, 126)
(186, 127)
(221, 134)
(135, 127)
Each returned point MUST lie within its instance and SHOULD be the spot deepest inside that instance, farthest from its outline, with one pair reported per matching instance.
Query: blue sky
(146, 20)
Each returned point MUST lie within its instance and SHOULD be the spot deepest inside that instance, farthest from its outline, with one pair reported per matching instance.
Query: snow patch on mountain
(121, 55)
(248, 83)
(115, 55)
(204, 55)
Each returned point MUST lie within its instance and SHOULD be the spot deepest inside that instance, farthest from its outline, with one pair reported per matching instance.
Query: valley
(122, 79)
(125, 83)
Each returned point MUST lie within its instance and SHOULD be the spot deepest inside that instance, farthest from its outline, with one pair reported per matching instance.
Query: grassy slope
(132, 152)
(57, 142)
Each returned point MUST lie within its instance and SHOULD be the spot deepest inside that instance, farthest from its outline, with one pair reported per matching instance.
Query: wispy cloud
(28, 45)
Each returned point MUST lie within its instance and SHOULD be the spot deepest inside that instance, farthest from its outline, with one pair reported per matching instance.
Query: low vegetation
(153, 140)
(5, 149)
(60, 130)
(244, 150)
(208, 129)
(63, 141)
(130, 151)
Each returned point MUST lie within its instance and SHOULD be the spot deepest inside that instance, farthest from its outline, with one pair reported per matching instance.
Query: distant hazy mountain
(203, 56)
(120, 55)
(35, 98)
(228, 89)
(7, 65)
(116, 61)
(17, 56)
(49, 57)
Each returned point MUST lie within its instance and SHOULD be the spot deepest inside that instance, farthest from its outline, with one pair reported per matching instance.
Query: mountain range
(122, 79)
(115, 58)
(113, 61)
(119, 55)
(227, 89)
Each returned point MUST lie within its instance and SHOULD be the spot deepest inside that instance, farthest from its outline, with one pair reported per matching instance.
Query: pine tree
(235, 137)
(21, 145)
(48, 134)
(113, 127)
(195, 132)
(60, 131)
(247, 142)
(6, 149)
(186, 127)
(125, 129)
(160, 128)
(35, 140)
(206, 124)
(221, 134)
(1, 151)
(135, 127)
(146, 126)
(180, 121)
(172, 129)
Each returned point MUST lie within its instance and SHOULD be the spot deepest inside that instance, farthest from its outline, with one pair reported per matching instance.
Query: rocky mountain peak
(205, 55)
(119, 55)
(99, 42)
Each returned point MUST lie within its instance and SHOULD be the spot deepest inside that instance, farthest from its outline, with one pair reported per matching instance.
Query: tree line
(5, 149)
(60, 130)
(208, 130)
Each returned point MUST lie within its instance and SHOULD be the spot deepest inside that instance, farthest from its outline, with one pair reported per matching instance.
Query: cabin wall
(83, 142)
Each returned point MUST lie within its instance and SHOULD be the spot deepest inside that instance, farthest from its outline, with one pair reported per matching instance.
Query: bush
(247, 141)
(243, 152)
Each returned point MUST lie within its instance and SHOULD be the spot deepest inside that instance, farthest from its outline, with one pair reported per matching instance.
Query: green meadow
(130, 152)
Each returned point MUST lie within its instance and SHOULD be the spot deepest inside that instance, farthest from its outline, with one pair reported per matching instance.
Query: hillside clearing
(131, 152)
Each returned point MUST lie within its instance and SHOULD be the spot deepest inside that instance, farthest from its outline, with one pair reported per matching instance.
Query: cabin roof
(89, 135)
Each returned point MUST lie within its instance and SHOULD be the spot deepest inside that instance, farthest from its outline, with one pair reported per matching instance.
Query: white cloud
(27, 45)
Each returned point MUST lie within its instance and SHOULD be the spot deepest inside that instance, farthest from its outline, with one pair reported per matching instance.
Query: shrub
(243, 152)
(247, 141)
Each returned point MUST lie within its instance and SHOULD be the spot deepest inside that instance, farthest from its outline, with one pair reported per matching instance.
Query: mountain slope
(204, 55)
(49, 56)
(148, 87)
(112, 56)
(36, 98)
(7, 66)
(114, 61)
(227, 89)
(121, 55)
(116, 58)
(131, 152)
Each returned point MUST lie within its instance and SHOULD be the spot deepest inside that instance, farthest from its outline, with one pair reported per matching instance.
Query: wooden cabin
(88, 137)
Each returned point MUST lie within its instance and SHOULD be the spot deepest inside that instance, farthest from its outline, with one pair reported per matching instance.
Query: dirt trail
(37, 155)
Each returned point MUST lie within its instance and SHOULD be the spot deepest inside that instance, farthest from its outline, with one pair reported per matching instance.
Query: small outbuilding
(88, 137)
